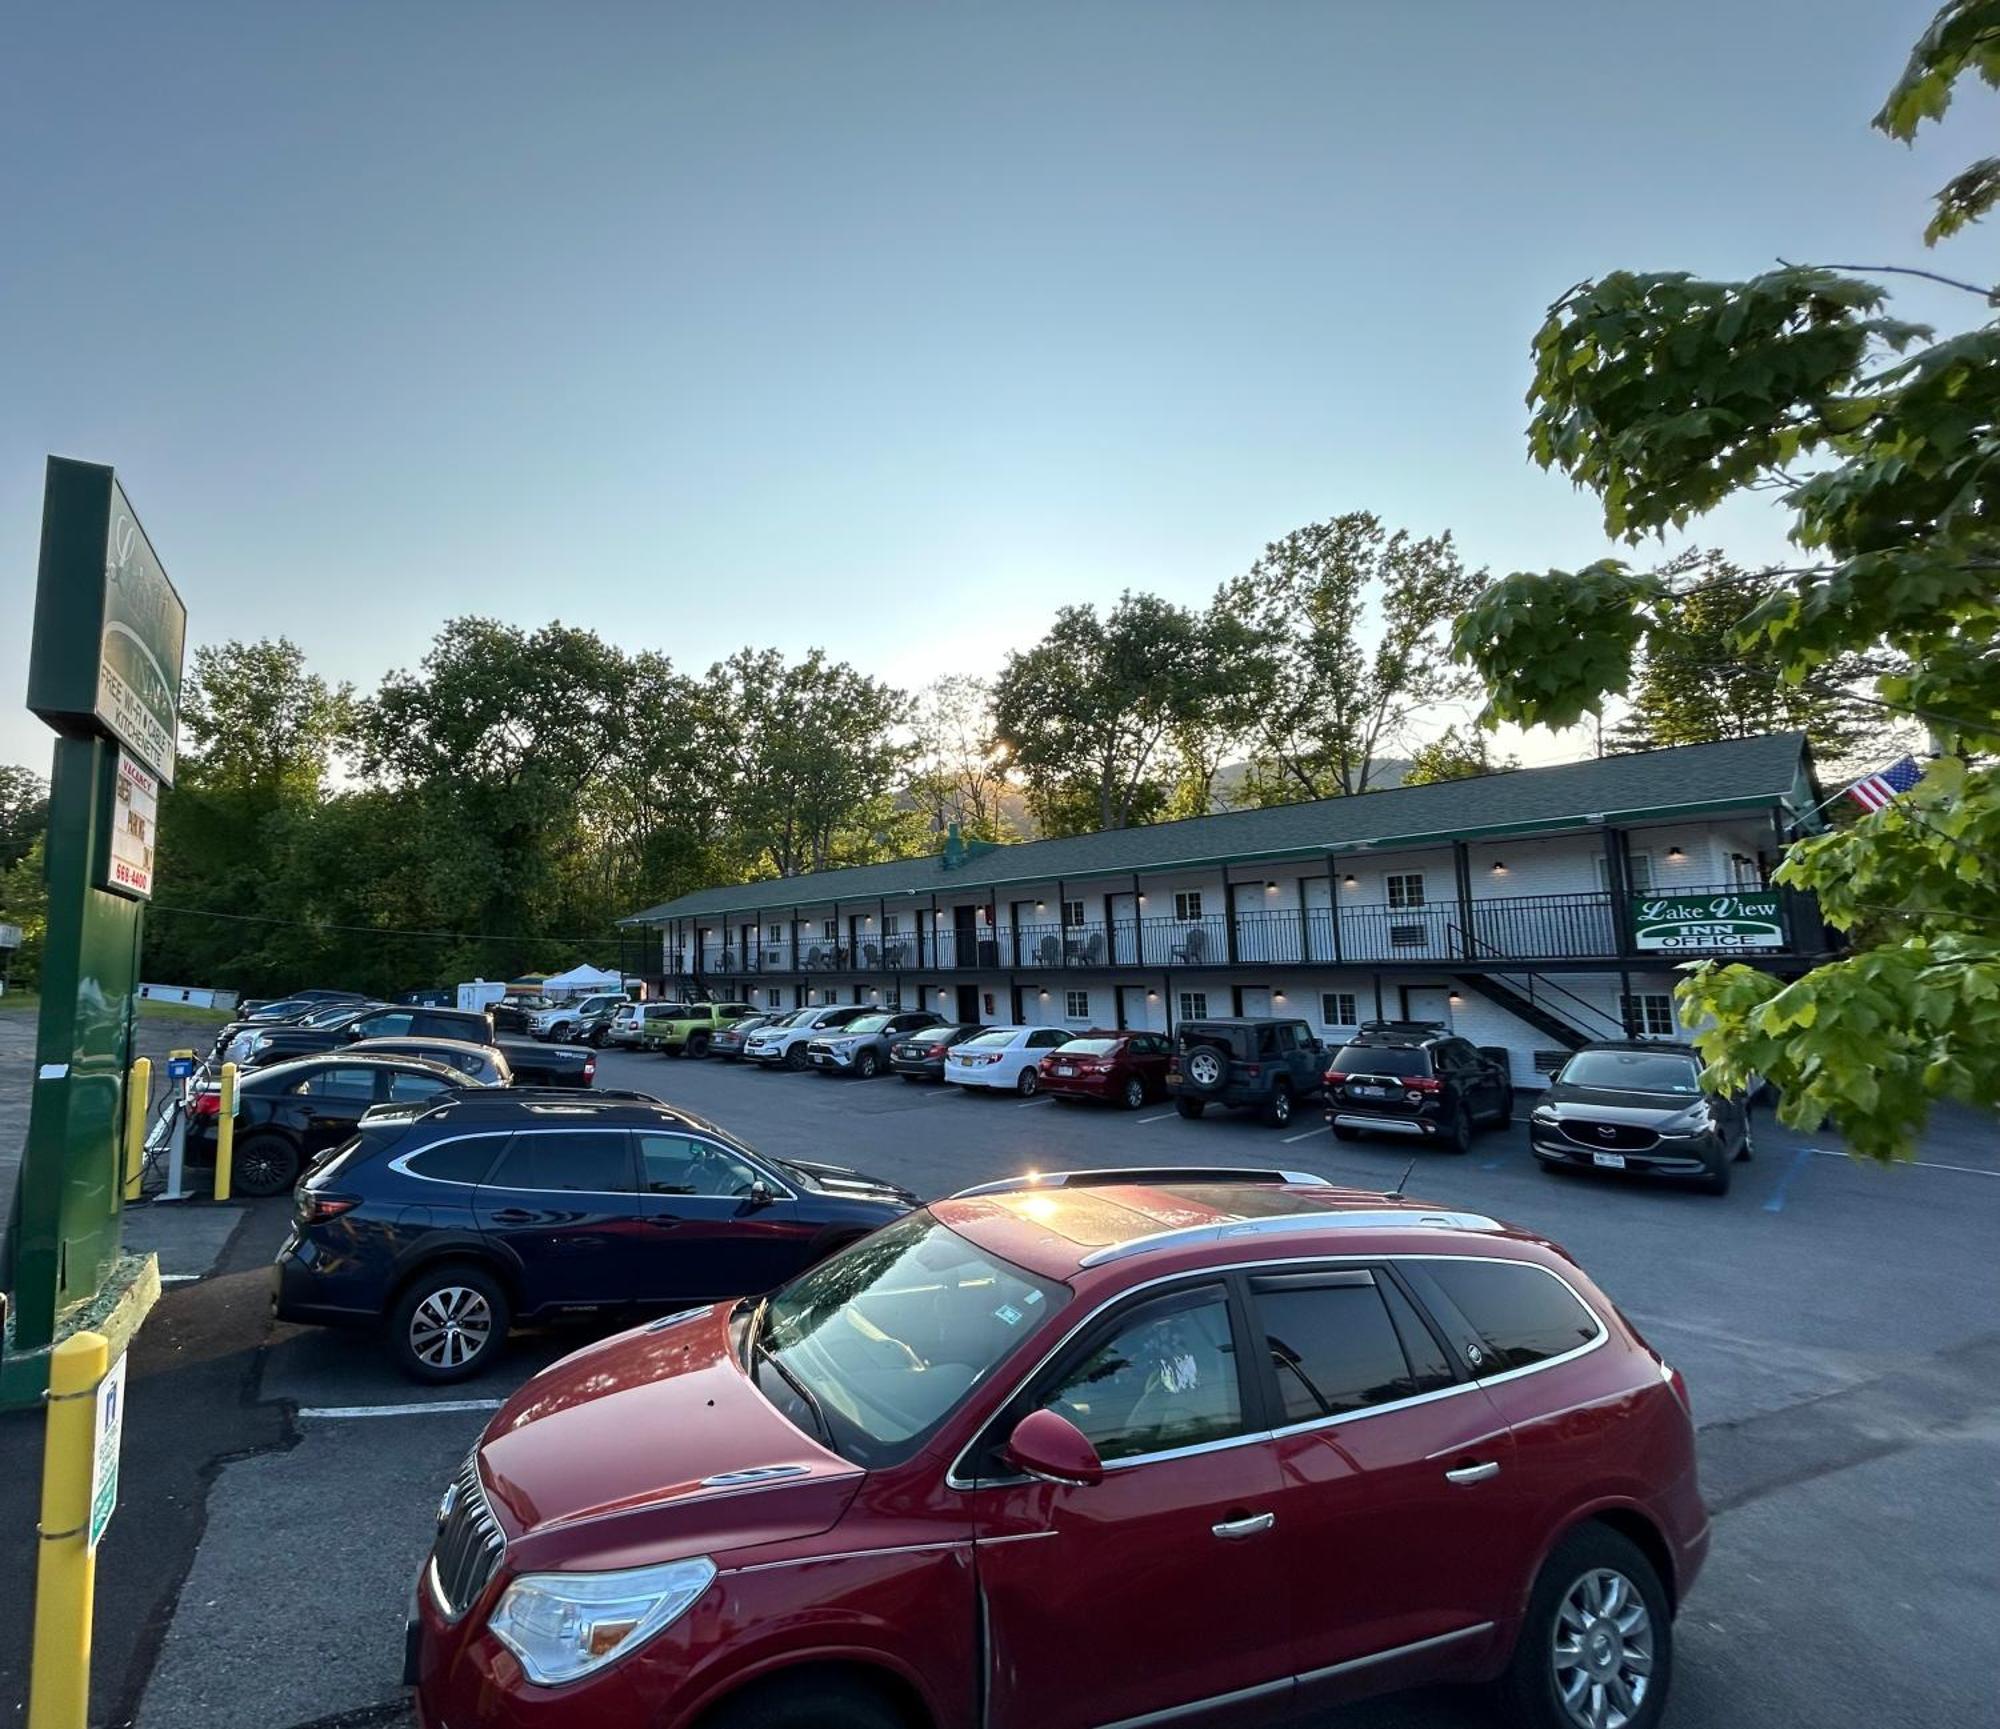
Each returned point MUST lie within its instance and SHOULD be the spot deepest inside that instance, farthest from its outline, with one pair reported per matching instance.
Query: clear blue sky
(882, 328)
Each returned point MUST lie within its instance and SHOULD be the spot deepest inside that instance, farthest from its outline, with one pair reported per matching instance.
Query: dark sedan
(728, 1041)
(484, 1063)
(1117, 1068)
(498, 1205)
(1638, 1106)
(922, 1058)
(290, 1113)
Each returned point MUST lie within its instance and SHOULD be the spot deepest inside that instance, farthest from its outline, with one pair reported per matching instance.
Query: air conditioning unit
(1409, 936)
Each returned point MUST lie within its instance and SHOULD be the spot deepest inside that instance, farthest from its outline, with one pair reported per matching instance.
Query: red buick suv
(1100, 1448)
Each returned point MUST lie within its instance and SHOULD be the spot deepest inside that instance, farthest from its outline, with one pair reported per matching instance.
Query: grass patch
(23, 1003)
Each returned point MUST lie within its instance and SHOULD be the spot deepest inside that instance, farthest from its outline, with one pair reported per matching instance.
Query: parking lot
(1837, 1326)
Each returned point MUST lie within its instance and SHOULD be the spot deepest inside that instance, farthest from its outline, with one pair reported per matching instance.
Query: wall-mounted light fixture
(1142, 900)
(1277, 996)
(1347, 882)
(1152, 996)
(1271, 888)
(1675, 855)
(1045, 996)
(1499, 869)
(1041, 906)
(1455, 999)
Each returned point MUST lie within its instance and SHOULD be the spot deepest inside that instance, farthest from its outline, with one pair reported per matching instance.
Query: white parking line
(428, 1408)
(1141, 1122)
(1924, 1164)
(1025, 1103)
(179, 1278)
(1308, 1135)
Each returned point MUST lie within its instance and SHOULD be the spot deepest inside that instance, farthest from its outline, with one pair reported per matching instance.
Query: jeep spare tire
(1205, 1069)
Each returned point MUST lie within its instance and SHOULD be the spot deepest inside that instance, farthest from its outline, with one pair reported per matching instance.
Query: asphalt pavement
(1838, 1326)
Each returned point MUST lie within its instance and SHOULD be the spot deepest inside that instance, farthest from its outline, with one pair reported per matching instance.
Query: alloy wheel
(1028, 1082)
(450, 1327)
(1204, 1067)
(1135, 1094)
(1601, 1650)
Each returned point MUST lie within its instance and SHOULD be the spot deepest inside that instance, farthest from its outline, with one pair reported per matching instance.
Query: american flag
(1877, 791)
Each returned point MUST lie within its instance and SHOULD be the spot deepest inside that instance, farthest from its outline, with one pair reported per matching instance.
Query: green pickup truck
(687, 1031)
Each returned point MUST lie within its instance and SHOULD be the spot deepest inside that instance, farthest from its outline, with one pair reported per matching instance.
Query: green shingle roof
(1689, 779)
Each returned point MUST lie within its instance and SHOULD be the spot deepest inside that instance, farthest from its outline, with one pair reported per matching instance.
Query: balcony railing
(1520, 927)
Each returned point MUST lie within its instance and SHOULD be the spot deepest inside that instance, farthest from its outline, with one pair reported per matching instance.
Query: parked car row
(336, 1025)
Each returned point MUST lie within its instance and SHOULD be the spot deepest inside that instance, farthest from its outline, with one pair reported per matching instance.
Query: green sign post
(1753, 919)
(105, 673)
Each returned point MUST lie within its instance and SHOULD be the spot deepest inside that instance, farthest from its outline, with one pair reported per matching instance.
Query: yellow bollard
(138, 1095)
(225, 1132)
(66, 1565)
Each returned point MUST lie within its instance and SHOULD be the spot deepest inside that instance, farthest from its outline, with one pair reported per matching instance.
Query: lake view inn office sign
(105, 673)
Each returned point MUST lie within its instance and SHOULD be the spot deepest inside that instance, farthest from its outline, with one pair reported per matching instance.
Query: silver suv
(784, 1042)
(862, 1046)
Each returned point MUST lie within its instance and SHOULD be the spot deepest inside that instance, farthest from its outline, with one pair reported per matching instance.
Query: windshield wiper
(807, 1397)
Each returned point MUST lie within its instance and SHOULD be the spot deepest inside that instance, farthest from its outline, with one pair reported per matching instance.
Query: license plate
(1369, 1092)
(1610, 1161)
(1065, 1069)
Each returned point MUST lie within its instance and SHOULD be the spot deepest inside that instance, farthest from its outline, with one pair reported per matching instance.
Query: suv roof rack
(1117, 1174)
(1406, 1029)
(1362, 1218)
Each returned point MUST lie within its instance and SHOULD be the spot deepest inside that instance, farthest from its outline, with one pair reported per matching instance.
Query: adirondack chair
(871, 956)
(1050, 952)
(813, 957)
(1192, 946)
(1093, 950)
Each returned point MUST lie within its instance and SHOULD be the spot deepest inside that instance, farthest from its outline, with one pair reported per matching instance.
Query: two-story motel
(1536, 909)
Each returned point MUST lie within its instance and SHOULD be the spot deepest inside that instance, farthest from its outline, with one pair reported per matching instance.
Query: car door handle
(1250, 1526)
(515, 1216)
(1479, 1473)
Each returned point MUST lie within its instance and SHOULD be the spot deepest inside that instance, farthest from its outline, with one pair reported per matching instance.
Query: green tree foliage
(24, 901)
(1351, 626)
(1664, 395)
(956, 775)
(1455, 755)
(1090, 717)
(24, 812)
(1701, 676)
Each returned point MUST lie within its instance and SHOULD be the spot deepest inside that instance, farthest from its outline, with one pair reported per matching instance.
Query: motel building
(1537, 910)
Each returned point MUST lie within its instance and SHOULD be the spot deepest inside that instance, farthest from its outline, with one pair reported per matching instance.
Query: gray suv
(1266, 1066)
(862, 1046)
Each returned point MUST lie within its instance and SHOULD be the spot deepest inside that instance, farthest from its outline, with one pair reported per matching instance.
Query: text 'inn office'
(1537, 909)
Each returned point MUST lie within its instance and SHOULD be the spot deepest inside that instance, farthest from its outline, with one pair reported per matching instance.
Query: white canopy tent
(581, 981)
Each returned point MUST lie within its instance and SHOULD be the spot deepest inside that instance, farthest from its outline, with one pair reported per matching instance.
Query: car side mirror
(1052, 1449)
(760, 1193)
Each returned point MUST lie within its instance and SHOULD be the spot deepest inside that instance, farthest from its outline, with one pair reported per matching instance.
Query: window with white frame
(774, 933)
(1194, 1005)
(1338, 1009)
(1076, 1005)
(1072, 913)
(1406, 888)
(1187, 905)
(830, 930)
(1638, 872)
(892, 924)
(771, 996)
(1649, 1014)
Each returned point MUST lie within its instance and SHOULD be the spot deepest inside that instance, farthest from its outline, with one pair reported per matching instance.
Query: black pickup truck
(534, 1064)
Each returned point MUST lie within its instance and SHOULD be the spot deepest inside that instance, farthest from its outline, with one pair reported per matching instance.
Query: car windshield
(1092, 1047)
(1382, 1060)
(329, 1014)
(875, 1347)
(1633, 1071)
(867, 1024)
(1005, 1036)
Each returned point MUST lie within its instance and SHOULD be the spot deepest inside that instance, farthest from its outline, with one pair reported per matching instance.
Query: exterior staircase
(1544, 1005)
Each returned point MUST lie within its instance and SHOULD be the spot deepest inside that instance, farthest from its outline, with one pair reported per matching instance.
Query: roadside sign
(1750, 920)
(109, 1431)
(132, 830)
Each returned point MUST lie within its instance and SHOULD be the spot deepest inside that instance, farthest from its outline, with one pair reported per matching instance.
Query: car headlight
(1546, 1115)
(1688, 1122)
(564, 1625)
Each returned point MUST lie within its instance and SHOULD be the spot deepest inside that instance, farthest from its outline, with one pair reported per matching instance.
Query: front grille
(1609, 1137)
(469, 1542)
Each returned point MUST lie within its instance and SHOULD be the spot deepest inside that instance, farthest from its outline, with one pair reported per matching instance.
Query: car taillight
(205, 1105)
(589, 1068)
(937, 1050)
(1334, 1078)
(1678, 1381)
(1253, 1070)
(315, 1209)
(1424, 1084)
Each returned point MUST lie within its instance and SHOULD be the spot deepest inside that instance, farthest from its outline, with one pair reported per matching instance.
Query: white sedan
(1003, 1059)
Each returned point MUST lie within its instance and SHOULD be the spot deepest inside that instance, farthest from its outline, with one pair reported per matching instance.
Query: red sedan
(1120, 1068)
(1098, 1448)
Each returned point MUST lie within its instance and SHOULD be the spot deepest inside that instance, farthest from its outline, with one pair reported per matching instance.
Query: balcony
(1555, 927)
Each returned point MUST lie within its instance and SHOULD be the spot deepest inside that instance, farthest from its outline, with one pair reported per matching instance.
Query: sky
(886, 329)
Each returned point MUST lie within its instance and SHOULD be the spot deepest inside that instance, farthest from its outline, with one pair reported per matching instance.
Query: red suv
(1098, 1448)
(1123, 1068)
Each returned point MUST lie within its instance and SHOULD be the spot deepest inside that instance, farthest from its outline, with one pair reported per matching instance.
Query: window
(1337, 1009)
(345, 1086)
(410, 1089)
(830, 930)
(1649, 1014)
(774, 933)
(1165, 1378)
(392, 1024)
(1187, 905)
(1047, 1039)
(892, 924)
(687, 1165)
(580, 1161)
(1522, 1314)
(466, 1160)
(1332, 1345)
(1634, 1072)
(1194, 1005)
(771, 995)
(447, 1026)
(1638, 872)
(1072, 912)
(1382, 1060)
(1076, 1005)
(1406, 888)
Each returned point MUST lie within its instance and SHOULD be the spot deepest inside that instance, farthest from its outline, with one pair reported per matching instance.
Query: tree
(1697, 681)
(1352, 624)
(1087, 717)
(956, 774)
(256, 718)
(24, 812)
(1665, 394)
(1453, 755)
(24, 901)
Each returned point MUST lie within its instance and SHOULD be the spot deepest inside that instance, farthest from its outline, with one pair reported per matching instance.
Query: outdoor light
(1045, 993)
(1277, 996)
(1455, 999)
(1347, 882)
(1152, 996)
(1675, 855)
(1499, 869)
(1270, 888)
(1041, 906)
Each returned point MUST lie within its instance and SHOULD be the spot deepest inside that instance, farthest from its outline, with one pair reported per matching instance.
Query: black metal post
(1333, 905)
(1461, 864)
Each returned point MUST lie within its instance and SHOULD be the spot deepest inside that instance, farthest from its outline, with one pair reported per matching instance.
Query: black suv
(449, 1221)
(1419, 1080)
(1258, 1065)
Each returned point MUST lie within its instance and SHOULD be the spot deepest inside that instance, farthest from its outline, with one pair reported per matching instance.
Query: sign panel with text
(1706, 923)
(132, 832)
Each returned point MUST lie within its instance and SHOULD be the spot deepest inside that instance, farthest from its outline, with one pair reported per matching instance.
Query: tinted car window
(1005, 1036)
(1043, 1040)
(1522, 1314)
(461, 1161)
(1430, 1363)
(1332, 1345)
(685, 1165)
(406, 1089)
(587, 1161)
(1165, 1378)
(390, 1024)
(869, 1024)
(1382, 1060)
(1092, 1047)
(345, 1085)
(1633, 1071)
